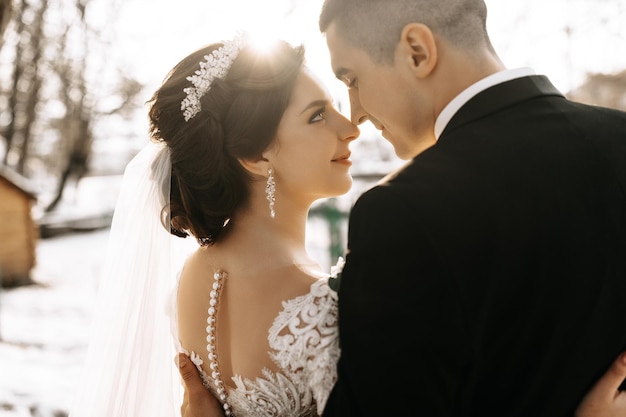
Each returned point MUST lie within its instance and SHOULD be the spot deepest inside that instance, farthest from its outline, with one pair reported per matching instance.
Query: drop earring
(270, 191)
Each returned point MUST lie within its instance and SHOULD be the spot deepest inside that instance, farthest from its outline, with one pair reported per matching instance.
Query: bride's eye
(318, 116)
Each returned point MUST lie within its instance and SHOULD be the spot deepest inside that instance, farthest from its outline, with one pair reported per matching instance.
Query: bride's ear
(256, 167)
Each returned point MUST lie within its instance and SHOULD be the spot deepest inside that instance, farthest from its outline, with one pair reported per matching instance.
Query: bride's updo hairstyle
(238, 118)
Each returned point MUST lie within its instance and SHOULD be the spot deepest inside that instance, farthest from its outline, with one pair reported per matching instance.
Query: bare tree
(5, 14)
(26, 81)
(74, 126)
(570, 37)
(52, 92)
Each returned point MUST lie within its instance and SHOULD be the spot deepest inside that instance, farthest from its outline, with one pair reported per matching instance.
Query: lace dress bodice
(304, 346)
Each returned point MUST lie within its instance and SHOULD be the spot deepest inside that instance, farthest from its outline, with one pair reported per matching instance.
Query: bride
(274, 144)
(252, 139)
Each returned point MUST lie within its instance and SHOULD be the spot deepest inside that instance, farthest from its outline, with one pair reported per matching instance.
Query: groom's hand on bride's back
(605, 399)
(197, 401)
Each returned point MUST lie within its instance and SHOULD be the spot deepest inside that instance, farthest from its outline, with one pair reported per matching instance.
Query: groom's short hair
(375, 25)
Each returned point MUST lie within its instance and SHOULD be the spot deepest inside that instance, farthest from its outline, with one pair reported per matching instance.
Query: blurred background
(74, 79)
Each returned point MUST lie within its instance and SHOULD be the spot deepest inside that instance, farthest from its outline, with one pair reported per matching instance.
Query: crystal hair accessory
(215, 65)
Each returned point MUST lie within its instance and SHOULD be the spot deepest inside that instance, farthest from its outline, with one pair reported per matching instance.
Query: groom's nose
(357, 114)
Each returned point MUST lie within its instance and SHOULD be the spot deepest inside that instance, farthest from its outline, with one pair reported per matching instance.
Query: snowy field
(44, 327)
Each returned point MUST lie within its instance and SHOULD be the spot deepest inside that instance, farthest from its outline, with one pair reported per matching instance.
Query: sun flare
(262, 41)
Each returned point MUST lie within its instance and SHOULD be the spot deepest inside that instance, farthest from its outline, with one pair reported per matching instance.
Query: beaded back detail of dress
(304, 345)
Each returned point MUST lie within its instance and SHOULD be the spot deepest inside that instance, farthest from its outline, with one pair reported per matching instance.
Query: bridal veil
(129, 368)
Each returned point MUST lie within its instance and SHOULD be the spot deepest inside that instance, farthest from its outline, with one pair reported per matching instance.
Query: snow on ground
(44, 327)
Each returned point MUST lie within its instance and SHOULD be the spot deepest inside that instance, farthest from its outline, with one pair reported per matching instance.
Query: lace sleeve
(304, 338)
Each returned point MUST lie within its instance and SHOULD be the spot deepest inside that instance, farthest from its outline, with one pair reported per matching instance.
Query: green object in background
(334, 217)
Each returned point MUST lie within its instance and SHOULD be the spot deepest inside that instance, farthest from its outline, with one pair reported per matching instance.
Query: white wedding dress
(304, 346)
(129, 369)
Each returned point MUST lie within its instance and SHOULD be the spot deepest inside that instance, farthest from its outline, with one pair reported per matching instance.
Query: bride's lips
(343, 159)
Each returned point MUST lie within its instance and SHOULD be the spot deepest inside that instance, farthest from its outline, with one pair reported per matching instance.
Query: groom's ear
(418, 49)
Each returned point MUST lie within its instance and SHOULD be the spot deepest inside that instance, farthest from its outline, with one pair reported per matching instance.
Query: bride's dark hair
(238, 119)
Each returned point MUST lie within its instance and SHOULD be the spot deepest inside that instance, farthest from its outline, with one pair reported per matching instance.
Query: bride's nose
(348, 130)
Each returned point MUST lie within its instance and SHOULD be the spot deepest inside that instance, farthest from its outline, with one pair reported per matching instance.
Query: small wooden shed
(18, 229)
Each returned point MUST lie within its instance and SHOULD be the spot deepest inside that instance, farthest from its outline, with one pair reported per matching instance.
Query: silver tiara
(215, 65)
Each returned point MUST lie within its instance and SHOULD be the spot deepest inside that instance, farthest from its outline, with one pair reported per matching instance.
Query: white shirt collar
(456, 103)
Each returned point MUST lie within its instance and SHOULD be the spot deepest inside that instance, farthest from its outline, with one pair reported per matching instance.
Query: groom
(488, 276)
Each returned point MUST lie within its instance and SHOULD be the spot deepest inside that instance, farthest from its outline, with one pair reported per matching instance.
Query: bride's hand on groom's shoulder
(605, 399)
(197, 401)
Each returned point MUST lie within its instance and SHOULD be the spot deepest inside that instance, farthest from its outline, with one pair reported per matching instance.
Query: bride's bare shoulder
(192, 301)
(287, 282)
(197, 266)
(194, 283)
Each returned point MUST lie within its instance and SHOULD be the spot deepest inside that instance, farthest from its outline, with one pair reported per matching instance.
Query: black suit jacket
(488, 276)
